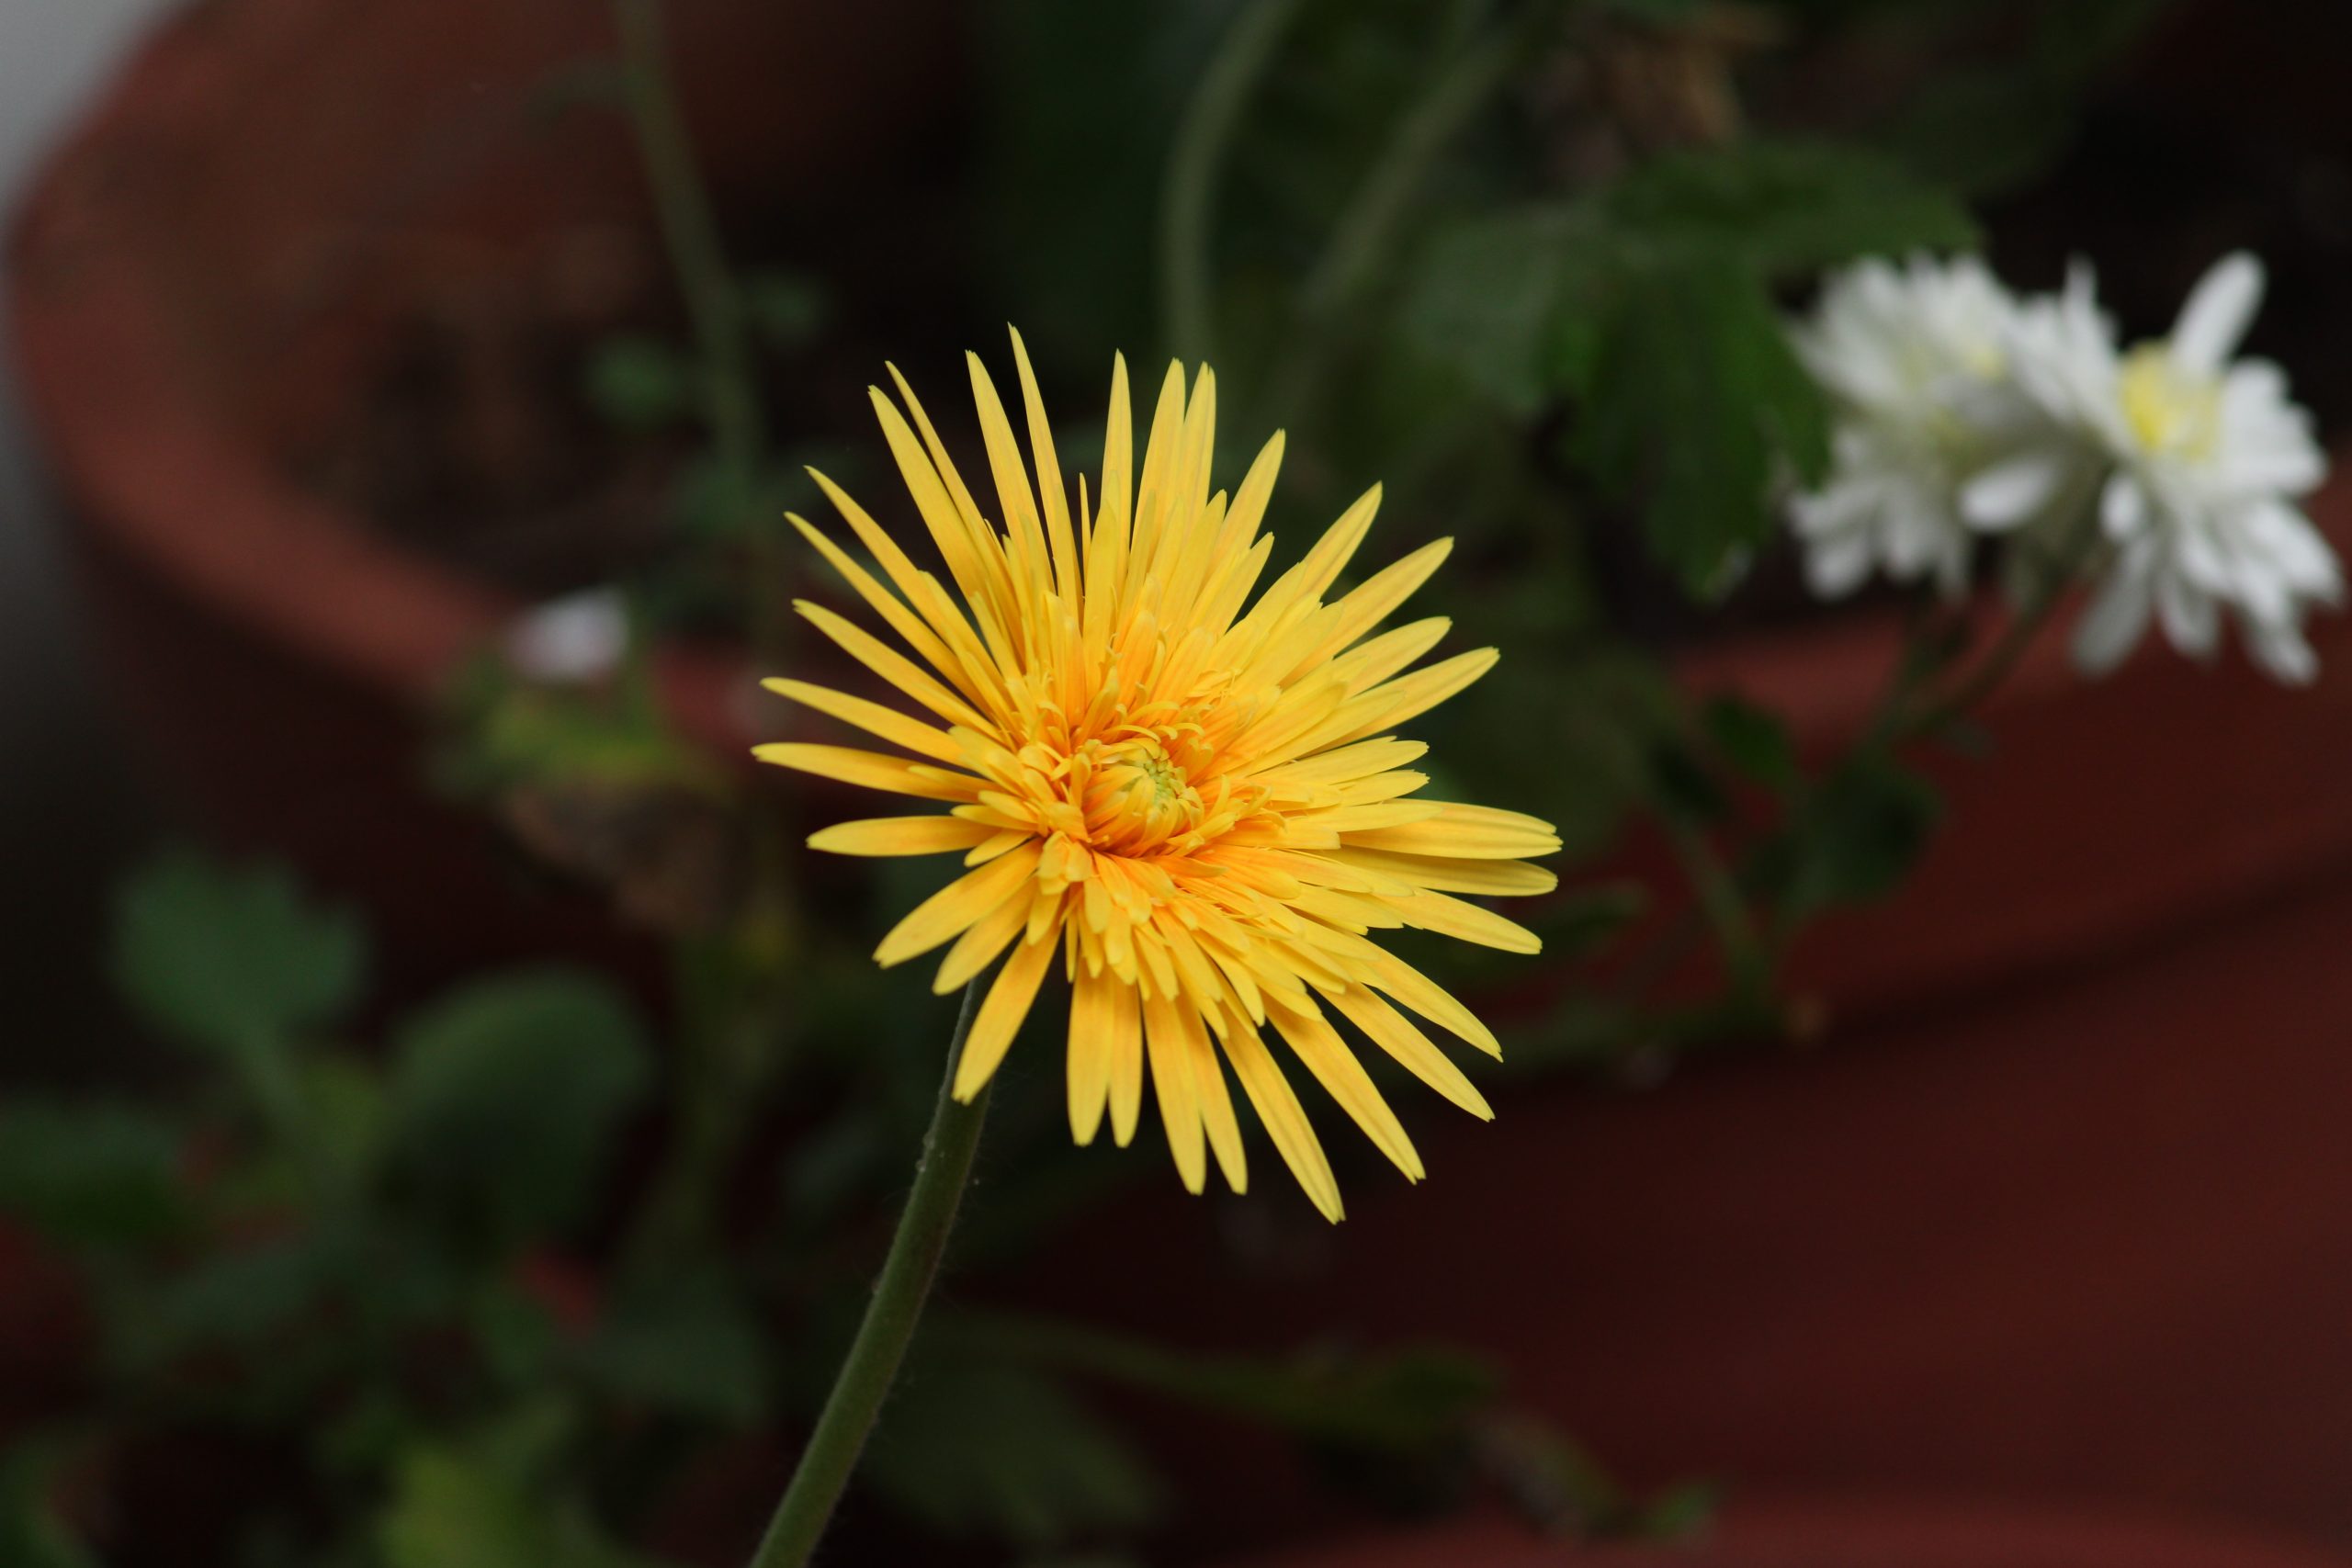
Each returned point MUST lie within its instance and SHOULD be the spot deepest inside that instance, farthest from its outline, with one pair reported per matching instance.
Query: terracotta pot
(1842, 1534)
(197, 284)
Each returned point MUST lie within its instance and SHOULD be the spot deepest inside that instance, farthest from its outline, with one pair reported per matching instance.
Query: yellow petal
(1445, 874)
(1171, 1076)
(1284, 1119)
(888, 724)
(1336, 1068)
(949, 911)
(1414, 1051)
(1001, 1015)
(870, 769)
(1092, 1017)
(1465, 922)
(1465, 832)
(898, 836)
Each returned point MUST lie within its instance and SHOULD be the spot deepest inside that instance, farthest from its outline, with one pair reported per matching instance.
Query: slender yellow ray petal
(1336, 1068)
(1465, 832)
(898, 836)
(1050, 493)
(1361, 761)
(1001, 1015)
(910, 627)
(1432, 1001)
(1409, 696)
(1210, 1095)
(983, 941)
(979, 579)
(1011, 476)
(1091, 1014)
(1445, 874)
(893, 667)
(1414, 1051)
(1375, 601)
(872, 717)
(949, 911)
(1465, 922)
(871, 770)
(1284, 1119)
(1172, 1073)
(1125, 1033)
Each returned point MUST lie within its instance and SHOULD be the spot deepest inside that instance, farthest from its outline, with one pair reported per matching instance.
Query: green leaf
(32, 1534)
(232, 960)
(1698, 404)
(98, 1174)
(787, 309)
(1006, 1452)
(1484, 294)
(505, 1096)
(1855, 839)
(1787, 208)
(1752, 740)
(685, 1343)
(451, 1508)
(640, 383)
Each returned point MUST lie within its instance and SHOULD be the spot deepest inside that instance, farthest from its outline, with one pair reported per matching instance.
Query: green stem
(1723, 907)
(714, 300)
(1195, 162)
(890, 1317)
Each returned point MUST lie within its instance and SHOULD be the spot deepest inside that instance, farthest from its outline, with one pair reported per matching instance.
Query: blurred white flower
(579, 638)
(1915, 362)
(2204, 457)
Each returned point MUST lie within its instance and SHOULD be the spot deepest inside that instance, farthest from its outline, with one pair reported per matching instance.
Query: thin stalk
(1360, 241)
(890, 1317)
(1195, 165)
(1723, 905)
(714, 300)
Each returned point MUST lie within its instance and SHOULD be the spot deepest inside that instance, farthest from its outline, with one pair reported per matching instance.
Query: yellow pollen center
(2170, 412)
(1139, 797)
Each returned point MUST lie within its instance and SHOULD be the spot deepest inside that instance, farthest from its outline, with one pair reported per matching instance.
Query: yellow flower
(1200, 811)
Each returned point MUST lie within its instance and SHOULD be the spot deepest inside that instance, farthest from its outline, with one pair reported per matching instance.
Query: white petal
(2114, 621)
(2192, 620)
(2218, 311)
(2015, 489)
(2122, 506)
(2282, 649)
(1835, 566)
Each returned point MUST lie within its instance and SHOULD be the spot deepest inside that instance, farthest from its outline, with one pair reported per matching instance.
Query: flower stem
(1196, 161)
(890, 1317)
(714, 300)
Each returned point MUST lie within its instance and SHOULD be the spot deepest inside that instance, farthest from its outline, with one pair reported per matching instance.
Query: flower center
(1139, 797)
(2171, 412)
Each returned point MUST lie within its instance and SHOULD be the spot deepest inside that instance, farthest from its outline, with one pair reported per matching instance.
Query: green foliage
(984, 1448)
(233, 962)
(684, 1343)
(504, 1097)
(89, 1174)
(640, 383)
(787, 309)
(1853, 839)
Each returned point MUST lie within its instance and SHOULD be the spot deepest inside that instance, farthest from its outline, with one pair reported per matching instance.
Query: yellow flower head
(1200, 811)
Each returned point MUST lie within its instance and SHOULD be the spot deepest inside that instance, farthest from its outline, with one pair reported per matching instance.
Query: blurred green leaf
(1697, 407)
(235, 1300)
(1484, 295)
(685, 1343)
(504, 1097)
(787, 309)
(640, 383)
(32, 1534)
(987, 1449)
(1787, 208)
(104, 1174)
(451, 1509)
(1853, 839)
(232, 960)
(1752, 740)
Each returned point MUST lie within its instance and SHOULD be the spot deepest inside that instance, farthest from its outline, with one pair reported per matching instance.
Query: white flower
(574, 640)
(1915, 363)
(2207, 457)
